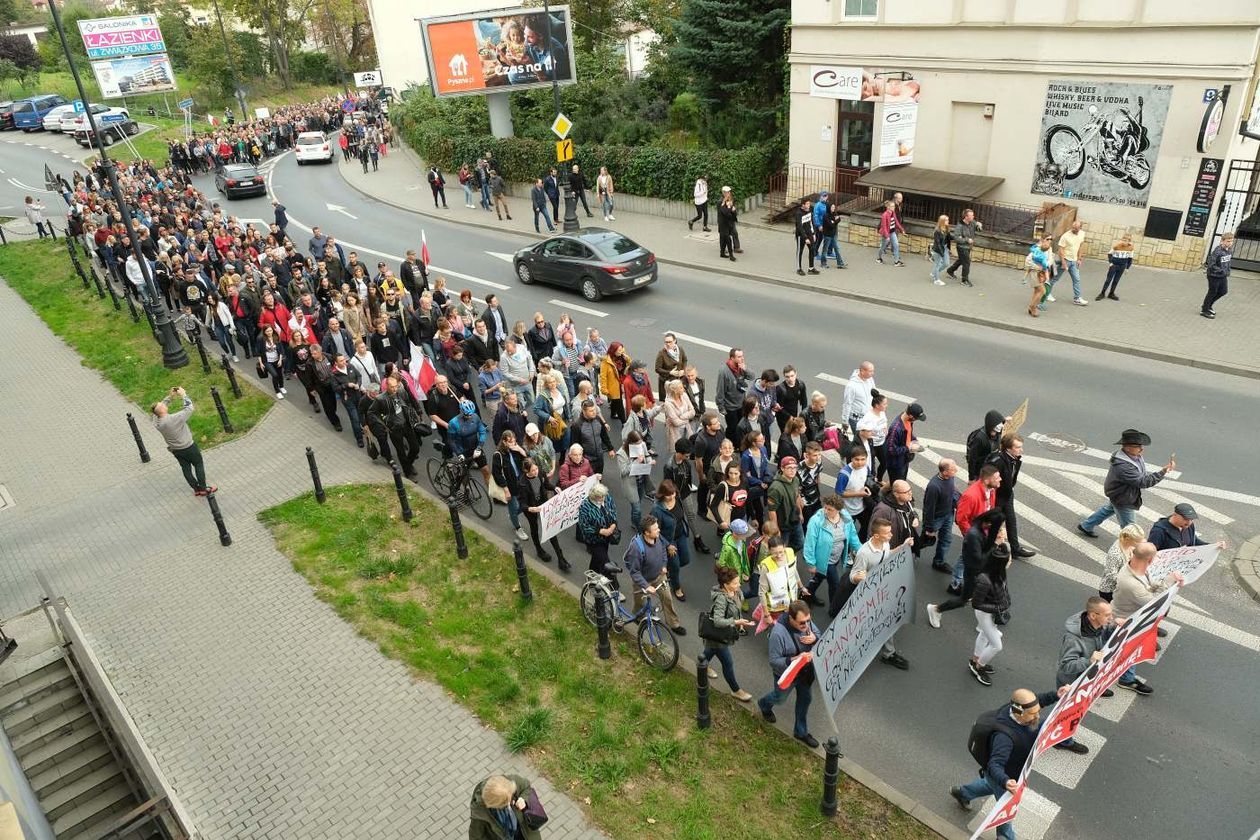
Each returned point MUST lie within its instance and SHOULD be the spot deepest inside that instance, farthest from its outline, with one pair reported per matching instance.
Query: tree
(19, 50)
(279, 29)
(207, 62)
(346, 28)
(735, 54)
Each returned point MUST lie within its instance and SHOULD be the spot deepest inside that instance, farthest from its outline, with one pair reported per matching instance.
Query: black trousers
(580, 195)
(599, 562)
(963, 598)
(535, 530)
(1218, 287)
(555, 207)
(732, 422)
(726, 242)
(963, 259)
(437, 191)
(801, 246)
(702, 212)
(1012, 524)
(328, 402)
(406, 447)
(192, 465)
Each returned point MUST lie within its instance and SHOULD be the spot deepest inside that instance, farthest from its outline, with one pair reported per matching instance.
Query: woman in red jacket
(275, 314)
(634, 383)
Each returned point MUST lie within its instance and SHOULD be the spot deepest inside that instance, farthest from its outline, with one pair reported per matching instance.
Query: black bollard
(319, 485)
(231, 375)
(131, 306)
(703, 719)
(100, 290)
(402, 491)
(831, 776)
(223, 417)
(201, 351)
(113, 296)
(135, 432)
(461, 545)
(522, 572)
(603, 621)
(52, 231)
(225, 539)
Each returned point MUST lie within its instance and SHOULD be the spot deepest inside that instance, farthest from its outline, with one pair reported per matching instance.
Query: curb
(1246, 566)
(921, 309)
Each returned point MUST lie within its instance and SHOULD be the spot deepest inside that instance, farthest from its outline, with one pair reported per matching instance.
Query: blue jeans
(514, 511)
(1073, 270)
(982, 786)
(794, 537)
(485, 196)
(723, 655)
(546, 218)
(468, 193)
(1126, 515)
(939, 261)
(606, 201)
(224, 336)
(804, 694)
(349, 401)
(944, 528)
(829, 248)
(890, 239)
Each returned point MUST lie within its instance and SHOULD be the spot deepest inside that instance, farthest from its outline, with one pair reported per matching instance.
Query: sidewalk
(268, 714)
(1156, 318)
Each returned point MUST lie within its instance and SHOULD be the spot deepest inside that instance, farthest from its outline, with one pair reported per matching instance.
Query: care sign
(121, 36)
(877, 608)
(561, 510)
(896, 133)
(835, 82)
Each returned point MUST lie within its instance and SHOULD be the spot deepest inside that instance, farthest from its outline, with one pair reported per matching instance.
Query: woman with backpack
(991, 601)
(727, 624)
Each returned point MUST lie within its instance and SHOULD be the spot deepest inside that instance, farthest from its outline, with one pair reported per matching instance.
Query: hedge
(648, 171)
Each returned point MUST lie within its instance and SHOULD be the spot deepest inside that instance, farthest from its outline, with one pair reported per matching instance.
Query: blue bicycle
(657, 644)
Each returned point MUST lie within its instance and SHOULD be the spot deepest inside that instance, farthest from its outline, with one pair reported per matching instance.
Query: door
(853, 149)
(1239, 211)
(554, 265)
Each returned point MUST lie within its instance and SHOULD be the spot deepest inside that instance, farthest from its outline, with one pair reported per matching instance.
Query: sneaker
(963, 802)
(1091, 534)
(1080, 301)
(934, 616)
(1100, 296)
(988, 669)
(1049, 298)
(951, 275)
(284, 390)
(954, 589)
(899, 264)
(813, 271)
(1113, 297)
(938, 282)
(742, 696)
(897, 661)
(1208, 315)
(1109, 693)
(691, 225)
(879, 260)
(279, 395)
(977, 671)
(679, 630)
(544, 557)
(713, 675)
(800, 271)
(611, 217)
(1161, 632)
(605, 218)
(1073, 747)
(235, 359)
(768, 716)
(968, 283)
(1139, 685)
(808, 740)
(521, 535)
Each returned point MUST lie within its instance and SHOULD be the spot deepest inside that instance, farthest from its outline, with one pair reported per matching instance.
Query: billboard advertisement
(134, 76)
(498, 51)
(121, 36)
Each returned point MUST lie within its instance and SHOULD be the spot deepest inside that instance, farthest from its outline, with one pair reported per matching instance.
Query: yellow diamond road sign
(562, 126)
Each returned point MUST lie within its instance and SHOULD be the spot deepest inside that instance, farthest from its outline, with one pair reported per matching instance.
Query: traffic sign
(562, 126)
(185, 104)
(78, 106)
(564, 150)
(113, 118)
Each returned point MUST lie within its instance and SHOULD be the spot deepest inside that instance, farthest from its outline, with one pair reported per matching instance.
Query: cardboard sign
(561, 510)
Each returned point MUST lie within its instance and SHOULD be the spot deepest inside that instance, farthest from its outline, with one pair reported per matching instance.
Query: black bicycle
(454, 481)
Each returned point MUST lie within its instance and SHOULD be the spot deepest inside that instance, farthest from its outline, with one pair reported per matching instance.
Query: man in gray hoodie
(1084, 634)
(179, 440)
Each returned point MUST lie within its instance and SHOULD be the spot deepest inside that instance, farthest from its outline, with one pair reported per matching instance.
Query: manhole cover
(642, 323)
(6, 500)
(1059, 442)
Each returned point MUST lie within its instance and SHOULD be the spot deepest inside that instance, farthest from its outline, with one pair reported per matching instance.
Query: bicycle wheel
(589, 600)
(477, 497)
(657, 645)
(439, 477)
(1063, 146)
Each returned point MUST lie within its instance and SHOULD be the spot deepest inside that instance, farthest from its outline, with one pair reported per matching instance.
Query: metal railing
(788, 186)
(18, 233)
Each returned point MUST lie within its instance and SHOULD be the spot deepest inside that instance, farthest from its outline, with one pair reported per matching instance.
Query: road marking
(1089, 450)
(502, 256)
(567, 305)
(1203, 510)
(1113, 708)
(15, 182)
(892, 395)
(1065, 768)
(1036, 813)
(337, 208)
(1096, 489)
(703, 342)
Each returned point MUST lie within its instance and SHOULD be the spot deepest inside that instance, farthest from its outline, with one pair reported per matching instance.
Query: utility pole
(227, 53)
(173, 353)
(570, 200)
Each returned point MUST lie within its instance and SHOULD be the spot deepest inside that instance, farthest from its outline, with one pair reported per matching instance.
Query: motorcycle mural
(1098, 141)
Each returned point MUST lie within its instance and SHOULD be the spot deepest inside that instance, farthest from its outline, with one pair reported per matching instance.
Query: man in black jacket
(389, 410)
(1008, 461)
(551, 186)
(480, 347)
(981, 442)
(438, 185)
(577, 183)
(806, 237)
(1218, 267)
(414, 275)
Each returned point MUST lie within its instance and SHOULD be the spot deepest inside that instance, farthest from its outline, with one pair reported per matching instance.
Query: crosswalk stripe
(1202, 509)
(1066, 769)
(1110, 525)
(1113, 708)
(1036, 813)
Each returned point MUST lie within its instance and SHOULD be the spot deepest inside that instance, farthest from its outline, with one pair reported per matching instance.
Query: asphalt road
(1153, 756)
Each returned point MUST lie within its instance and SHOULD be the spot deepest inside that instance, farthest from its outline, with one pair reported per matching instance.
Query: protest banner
(1191, 562)
(1130, 644)
(1018, 418)
(561, 510)
(878, 606)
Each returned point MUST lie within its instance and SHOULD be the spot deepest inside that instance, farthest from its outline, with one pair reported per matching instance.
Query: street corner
(1246, 566)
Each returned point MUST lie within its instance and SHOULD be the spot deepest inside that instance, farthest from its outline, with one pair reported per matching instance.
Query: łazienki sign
(122, 36)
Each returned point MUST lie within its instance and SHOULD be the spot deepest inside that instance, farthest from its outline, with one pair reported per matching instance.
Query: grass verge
(124, 352)
(617, 737)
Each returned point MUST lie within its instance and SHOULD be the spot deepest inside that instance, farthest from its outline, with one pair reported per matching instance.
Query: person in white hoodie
(700, 194)
(857, 394)
(35, 215)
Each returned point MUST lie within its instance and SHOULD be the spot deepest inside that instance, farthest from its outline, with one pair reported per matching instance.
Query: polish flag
(422, 372)
(794, 667)
(424, 249)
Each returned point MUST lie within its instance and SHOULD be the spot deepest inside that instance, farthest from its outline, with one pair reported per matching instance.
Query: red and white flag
(422, 372)
(424, 249)
(794, 667)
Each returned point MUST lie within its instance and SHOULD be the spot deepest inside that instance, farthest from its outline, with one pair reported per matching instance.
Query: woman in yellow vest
(780, 581)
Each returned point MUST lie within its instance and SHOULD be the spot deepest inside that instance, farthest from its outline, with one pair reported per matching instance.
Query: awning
(934, 182)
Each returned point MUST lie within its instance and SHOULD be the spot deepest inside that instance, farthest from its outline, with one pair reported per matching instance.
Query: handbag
(496, 492)
(555, 426)
(533, 816)
(830, 438)
(261, 370)
(1002, 617)
(710, 632)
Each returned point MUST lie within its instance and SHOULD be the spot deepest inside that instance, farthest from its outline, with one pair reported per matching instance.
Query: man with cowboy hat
(1126, 478)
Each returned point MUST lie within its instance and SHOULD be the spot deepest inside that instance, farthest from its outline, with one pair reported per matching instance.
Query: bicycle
(657, 644)
(454, 481)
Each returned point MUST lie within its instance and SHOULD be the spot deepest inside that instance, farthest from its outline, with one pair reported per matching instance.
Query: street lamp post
(570, 200)
(227, 53)
(173, 354)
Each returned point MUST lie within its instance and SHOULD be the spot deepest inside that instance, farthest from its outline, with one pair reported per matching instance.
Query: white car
(53, 119)
(313, 145)
(113, 123)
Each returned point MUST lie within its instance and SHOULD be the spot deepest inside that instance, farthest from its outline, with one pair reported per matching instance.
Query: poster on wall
(896, 133)
(861, 84)
(1099, 141)
(1203, 196)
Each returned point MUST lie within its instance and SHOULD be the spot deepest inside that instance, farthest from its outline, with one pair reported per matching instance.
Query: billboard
(504, 50)
(120, 36)
(134, 76)
(367, 79)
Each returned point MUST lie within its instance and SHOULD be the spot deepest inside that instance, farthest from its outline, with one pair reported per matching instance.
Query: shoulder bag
(710, 632)
(533, 816)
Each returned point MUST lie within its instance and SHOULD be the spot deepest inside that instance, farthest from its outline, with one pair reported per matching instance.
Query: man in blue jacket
(1177, 530)
(793, 634)
(940, 500)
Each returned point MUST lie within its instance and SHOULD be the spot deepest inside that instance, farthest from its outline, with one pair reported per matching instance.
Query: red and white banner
(561, 510)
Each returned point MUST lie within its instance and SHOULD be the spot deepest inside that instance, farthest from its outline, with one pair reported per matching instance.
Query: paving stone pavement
(270, 717)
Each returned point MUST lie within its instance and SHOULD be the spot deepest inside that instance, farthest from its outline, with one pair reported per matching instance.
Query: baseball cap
(787, 461)
(1186, 511)
(739, 527)
(531, 429)
(916, 411)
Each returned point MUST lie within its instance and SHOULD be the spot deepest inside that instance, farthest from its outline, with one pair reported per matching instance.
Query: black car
(6, 115)
(235, 180)
(595, 261)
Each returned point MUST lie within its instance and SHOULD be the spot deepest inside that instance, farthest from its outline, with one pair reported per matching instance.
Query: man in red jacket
(981, 496)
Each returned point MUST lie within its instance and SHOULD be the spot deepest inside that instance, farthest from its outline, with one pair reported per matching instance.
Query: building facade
(1125, 114)
(396, 28)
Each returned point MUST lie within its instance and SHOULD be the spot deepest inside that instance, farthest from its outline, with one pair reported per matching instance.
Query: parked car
(595, 261)
(6, 115)
(238, 180)
(313, 145)
(29, 113)
(113, 122)
(53, 119)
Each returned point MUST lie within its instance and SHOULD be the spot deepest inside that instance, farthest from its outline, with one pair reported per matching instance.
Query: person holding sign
(1177, 530)
(1134, 588)
(793, 635)
(535, 489)
(870, 555)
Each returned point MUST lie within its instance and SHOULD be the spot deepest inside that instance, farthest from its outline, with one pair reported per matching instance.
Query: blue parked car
(28, 114)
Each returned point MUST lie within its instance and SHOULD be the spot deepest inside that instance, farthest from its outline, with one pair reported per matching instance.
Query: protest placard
(561, 510)
(878, 606)
(1191, 562)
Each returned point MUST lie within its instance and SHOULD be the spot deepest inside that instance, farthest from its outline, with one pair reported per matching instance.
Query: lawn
(124, 352)
(618, 738)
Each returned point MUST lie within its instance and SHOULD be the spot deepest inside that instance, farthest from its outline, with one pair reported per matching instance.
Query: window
(861, 8)
(616, 246)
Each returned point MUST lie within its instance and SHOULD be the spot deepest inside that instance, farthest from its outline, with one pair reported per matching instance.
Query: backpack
(981, 736)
